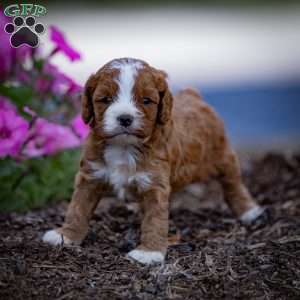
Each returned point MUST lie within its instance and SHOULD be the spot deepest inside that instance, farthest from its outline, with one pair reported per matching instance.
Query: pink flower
(79, 127)
(5, 104)
(13, 132)
(6, 51)
(65, 83)
(52, 80)
(23, 76)
(30, 112)
(74, 88)
(48, 80)
(62, 45)
(49, 138)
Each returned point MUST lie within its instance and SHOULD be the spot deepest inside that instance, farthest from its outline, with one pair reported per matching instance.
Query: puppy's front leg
(154, 230)
(84, 201)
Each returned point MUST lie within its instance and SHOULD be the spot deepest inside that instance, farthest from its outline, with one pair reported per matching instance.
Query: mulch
(215, 258)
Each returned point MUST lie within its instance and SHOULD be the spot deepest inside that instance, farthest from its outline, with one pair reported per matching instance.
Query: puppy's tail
(190, 91)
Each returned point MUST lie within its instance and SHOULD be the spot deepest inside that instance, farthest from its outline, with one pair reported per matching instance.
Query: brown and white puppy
(146, 143)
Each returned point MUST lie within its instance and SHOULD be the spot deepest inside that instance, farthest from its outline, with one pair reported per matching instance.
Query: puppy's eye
(147, 100)
(105, 100)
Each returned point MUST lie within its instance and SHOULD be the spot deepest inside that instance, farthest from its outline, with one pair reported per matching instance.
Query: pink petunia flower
(62, 45)
(79, 127)
(30, 112)
(48, 79)
(66, 84)
(23, 77)
(5, 104)
(6, 51)
(13, 132)
(49, 138)
(52, 80)
(73, 87)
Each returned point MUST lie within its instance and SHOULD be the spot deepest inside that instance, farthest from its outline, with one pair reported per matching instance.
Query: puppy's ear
(166, 99)
(87, 108)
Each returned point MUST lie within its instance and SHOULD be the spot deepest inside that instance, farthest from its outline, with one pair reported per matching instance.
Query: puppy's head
(125, 100)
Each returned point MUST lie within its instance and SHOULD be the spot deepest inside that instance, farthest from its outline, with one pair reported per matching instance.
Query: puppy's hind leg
(236, 194)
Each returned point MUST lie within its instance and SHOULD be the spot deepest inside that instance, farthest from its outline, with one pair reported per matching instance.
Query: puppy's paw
(53, 237)
(146, 257)
(252, 215)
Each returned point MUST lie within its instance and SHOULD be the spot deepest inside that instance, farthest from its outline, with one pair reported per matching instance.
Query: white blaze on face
(124, 103)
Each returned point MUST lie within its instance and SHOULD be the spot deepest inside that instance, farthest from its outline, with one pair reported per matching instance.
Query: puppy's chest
(121, 172)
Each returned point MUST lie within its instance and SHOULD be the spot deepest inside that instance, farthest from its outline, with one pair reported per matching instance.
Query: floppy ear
(166, 99)
(87, 109)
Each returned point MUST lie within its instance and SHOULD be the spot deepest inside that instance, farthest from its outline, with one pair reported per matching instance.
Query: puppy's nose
(125, 120)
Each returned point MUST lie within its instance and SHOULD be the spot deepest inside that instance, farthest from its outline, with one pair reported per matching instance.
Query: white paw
(146, 257)
(252, 214)
(54, 238)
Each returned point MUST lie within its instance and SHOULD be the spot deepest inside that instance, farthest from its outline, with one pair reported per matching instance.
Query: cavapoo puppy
(147, 143)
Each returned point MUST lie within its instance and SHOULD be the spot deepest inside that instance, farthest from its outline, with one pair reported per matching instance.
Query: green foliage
(35, 182)
(19, 95)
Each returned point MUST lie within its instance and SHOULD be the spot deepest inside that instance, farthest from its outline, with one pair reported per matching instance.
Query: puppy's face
(125, 100)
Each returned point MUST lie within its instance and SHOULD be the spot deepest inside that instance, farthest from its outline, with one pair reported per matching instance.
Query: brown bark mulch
(216, 257)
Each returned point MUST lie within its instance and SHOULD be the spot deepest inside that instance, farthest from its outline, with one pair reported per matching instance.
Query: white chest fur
(120, 170)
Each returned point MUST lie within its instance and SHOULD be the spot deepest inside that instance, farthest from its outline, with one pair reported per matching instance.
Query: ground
(215, 258)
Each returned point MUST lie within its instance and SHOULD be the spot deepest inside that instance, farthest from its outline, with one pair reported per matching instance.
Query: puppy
(146, 143)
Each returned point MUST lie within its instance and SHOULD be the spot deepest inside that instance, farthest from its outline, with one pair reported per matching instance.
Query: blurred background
(244, 56)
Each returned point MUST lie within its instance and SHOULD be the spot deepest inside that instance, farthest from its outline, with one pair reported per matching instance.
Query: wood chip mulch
(211, 255)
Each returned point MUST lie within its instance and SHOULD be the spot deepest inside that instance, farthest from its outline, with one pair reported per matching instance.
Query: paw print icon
(24, 31)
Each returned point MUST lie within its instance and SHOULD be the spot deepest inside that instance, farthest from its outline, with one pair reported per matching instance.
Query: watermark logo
(24, 29)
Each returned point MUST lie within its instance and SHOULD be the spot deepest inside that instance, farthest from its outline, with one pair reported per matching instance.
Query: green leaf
(19, 95)
(38, 64)
(37, 182)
